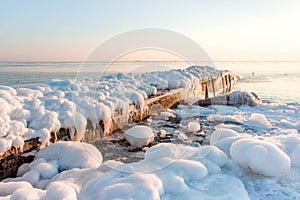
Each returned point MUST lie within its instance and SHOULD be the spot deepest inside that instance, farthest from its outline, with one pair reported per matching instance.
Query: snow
(237, 98)
(139, 136)
(194, 126)
(168, 172)
(253, 152)
(69, 104)
(290, 144)
(221, 134)
(260, 157)
(260, 119)
(67, 153)
(10, 187)
(60, 190)
(27, 194)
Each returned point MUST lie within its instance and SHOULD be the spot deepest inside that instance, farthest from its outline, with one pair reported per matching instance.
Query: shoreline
(93, 130)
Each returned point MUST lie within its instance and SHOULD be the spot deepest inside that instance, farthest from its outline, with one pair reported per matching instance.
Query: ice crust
(27, 113)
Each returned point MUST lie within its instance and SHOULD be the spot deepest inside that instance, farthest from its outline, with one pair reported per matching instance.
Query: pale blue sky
(68, 30)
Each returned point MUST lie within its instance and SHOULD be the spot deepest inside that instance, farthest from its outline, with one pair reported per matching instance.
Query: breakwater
(164, 99)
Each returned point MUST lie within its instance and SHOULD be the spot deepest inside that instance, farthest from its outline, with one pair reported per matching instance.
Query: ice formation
(168, 171)
(260, 157)
(235, 98)
(37, 112)
(194, 126)
(139, 136)
(254, 152)
(66, 154)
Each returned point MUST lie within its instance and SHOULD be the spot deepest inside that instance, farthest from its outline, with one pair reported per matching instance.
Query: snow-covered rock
(235, 98)
(10, 187)
(193, 126)
(71, 155)
(221, 134)
(290, 144)
(139, 136)
(260, 157)
(168, 172)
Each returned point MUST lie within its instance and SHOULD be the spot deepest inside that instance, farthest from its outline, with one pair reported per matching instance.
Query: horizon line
(123, 61)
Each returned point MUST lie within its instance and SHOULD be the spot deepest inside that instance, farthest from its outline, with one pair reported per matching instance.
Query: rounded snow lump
(260, 157)
(220, 134)
(71, 155)
(194, 126)
(139, 136)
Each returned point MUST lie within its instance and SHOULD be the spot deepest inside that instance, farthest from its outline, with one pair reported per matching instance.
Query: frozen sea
(272, 81)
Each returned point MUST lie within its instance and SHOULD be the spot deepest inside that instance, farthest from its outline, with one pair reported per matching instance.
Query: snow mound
(193, 126)
(220, 187)
(236, 98)
(134, 186)
(290, 144)
(77, 177)
(60, 190)
(221, 134)
(10, 187)
(168, 172)
(260, 119)
(71, 155)
(260, 157)
(139, 136)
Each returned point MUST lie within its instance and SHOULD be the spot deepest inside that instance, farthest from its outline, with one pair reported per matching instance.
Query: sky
(229, 30)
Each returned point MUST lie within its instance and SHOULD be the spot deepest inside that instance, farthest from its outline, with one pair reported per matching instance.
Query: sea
(272, 81)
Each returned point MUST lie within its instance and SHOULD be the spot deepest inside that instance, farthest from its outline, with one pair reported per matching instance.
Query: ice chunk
(60, 190)
(67, 155)
(134, 186)
(139, 136)
(5, 145)
(17, 128)
(220, 134)
(78, 177)
(18, 143)
(217, 187)
(23, 169)
(212, 154)
(194, 126)
(44, 136)
(28, 194)
(260, 119)
(46, 170)
(10, 187)
(162, 150)
(290, 144)
(137, 99)
(260, 157)
(33, 177)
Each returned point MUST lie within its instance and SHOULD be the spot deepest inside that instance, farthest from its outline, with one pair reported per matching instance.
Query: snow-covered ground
(246, 153)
